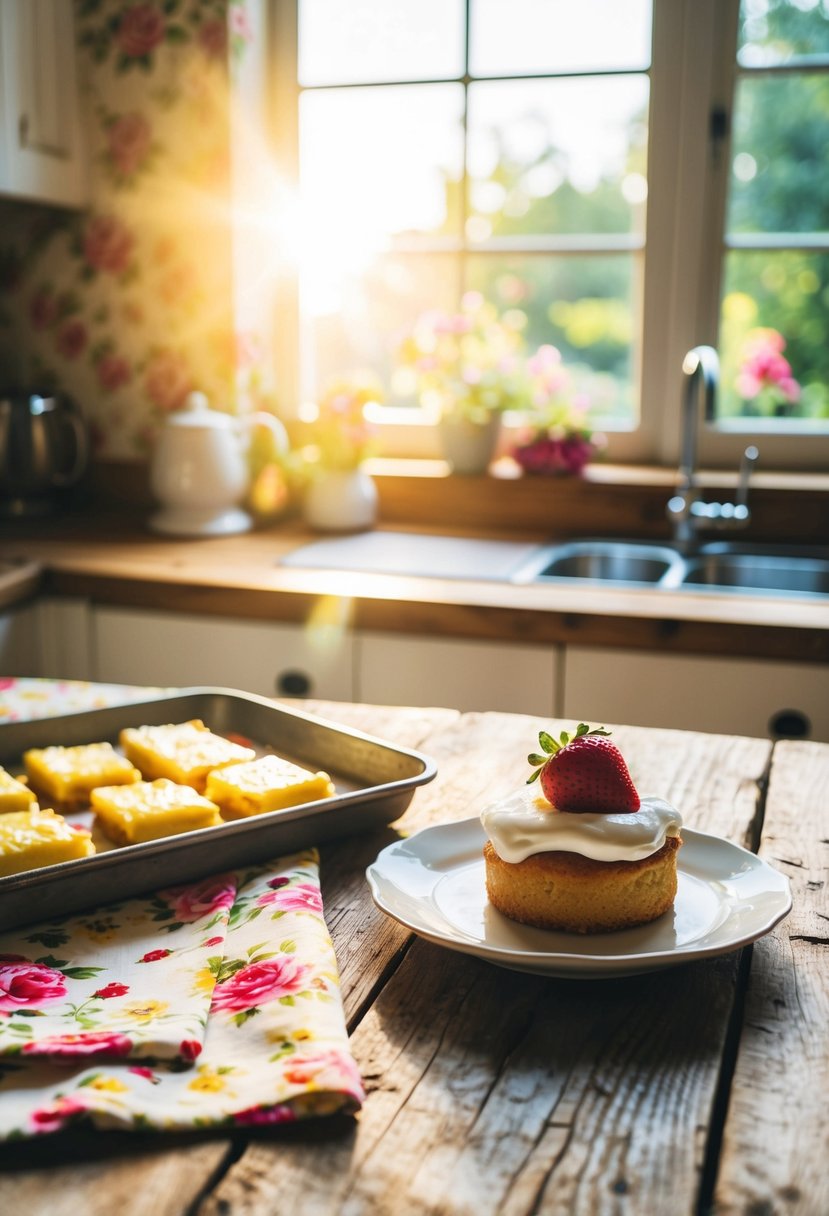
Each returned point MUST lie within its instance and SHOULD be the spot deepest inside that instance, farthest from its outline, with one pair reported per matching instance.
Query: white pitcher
(199, 470)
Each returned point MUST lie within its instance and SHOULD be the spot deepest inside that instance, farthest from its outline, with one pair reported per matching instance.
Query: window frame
(693, 75)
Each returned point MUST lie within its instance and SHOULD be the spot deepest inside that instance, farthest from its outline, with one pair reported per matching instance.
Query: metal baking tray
(374, 781)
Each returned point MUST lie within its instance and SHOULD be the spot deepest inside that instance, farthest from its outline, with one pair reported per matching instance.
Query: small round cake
(581, 871)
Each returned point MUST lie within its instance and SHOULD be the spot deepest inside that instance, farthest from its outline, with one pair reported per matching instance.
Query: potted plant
(341, 495)
(558, 441)
(467, 368)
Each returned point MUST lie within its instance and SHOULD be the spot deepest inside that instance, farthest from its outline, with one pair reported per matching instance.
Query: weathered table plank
(775, 1154)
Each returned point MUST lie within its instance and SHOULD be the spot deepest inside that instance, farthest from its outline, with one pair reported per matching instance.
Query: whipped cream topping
(524, 823)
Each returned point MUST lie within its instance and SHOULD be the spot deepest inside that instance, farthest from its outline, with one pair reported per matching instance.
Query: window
(572, 160)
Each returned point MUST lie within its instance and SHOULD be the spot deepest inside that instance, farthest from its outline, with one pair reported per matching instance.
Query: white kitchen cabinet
(693, 692)
(64, 646)
(41, 142)
(398, 669)
(177, 650)
(18, 642)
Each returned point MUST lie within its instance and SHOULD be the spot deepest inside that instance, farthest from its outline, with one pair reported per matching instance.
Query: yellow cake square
(34, 838)
(14, 795)
(148, 810)
(67, 774)
(268, 784)
(185, 752)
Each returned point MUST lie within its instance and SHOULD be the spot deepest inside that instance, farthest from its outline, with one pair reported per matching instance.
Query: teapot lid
(196, 412)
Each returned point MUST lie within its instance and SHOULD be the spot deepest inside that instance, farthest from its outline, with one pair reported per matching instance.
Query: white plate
(433, 883)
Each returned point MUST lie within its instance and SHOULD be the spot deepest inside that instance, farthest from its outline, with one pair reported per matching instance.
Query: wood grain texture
(775, 1156)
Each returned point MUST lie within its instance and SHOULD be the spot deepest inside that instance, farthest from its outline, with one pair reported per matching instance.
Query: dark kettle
(43, 450)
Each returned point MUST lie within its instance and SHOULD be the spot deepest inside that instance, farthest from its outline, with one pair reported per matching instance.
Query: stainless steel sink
(721, 566)
(605, 561)
(747, 569)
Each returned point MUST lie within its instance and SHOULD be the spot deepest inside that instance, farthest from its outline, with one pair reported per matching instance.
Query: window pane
(560, 156)
(779, 177)
(559, 35)
(780, 31)
(587, 307)
(380, 163)
(365, 41)
(378, 306)
(775, 329)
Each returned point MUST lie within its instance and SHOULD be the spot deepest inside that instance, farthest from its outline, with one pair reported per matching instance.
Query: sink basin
(759, 571)
(722, 566)
(603, 561)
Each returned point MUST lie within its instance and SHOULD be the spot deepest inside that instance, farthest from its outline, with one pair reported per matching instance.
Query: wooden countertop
(117, 561)
(700, 1088)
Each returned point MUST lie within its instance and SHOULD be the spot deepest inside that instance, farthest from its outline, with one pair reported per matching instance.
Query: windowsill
(611, 499)
(618, 500)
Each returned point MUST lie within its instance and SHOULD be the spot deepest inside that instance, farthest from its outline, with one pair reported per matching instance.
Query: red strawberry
(584, 773)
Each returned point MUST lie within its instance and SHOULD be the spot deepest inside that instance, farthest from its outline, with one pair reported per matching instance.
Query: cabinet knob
(293, 684)
(789, 724)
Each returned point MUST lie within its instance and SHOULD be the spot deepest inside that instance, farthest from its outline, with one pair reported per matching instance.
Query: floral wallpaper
(129, 305)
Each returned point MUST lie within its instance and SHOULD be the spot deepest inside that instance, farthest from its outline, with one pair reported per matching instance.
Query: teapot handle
(273, 424)
(69, 477)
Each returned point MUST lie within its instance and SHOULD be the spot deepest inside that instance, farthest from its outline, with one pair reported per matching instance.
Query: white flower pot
(341, 501)
(469, 446)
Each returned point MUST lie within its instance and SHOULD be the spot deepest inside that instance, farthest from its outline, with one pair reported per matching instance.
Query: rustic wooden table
(697, 1089)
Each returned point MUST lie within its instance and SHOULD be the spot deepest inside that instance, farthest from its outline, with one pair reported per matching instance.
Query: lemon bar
(185, 752)
(14, 795)
(67, 774)
(148, 810)
(34, 838)
(269, 784)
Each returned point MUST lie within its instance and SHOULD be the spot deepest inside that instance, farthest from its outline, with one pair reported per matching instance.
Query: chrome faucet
(688, 514)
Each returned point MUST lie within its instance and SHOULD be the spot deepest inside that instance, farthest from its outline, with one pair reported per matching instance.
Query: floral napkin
(85, 1003)
(212, 1004)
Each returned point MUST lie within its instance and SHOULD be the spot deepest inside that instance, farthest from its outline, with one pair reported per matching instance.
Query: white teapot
(199, 470)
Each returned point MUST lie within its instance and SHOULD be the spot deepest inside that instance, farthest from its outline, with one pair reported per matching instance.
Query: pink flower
(189, 1049)
(257, 1115)
(146, 1073)
(111, 990)
(140, 30)
(43, 309)
(203, 899)
(113, 371)
(305, 897)
(128, 142)
(152, 956)
(89, 1043)
(260, 983)
(213, 38)
(53, 1118)
(302, 1070)
(71, 338)
(168, 380)
(214, 941)
(25, 985)
(240, 22)
(107, 244)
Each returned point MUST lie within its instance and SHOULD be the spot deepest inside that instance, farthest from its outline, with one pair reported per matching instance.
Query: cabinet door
(41, 152)
(728, 696)
(174, 650)
(18, 642)
(63, 633)
(399, 669)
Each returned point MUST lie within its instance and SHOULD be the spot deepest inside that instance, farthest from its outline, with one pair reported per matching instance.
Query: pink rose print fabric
(215, 1003)
(94, 986)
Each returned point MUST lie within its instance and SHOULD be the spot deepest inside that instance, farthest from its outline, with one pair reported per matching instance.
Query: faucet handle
(747, 463)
